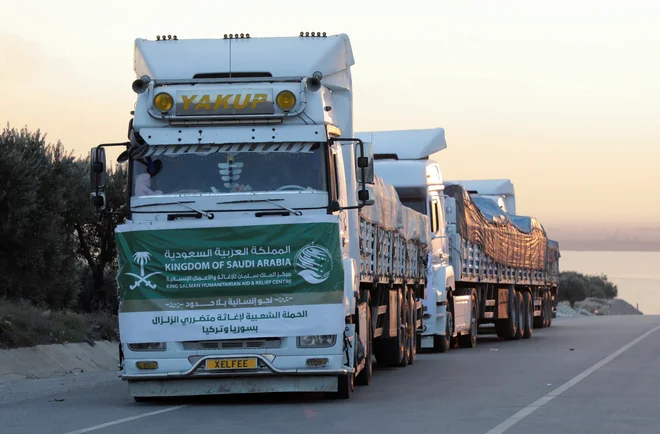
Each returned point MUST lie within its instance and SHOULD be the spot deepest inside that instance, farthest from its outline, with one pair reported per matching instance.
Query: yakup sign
(229, 102)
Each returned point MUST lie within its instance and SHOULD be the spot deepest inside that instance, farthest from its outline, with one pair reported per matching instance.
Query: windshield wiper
(209, 215)
(271, 201)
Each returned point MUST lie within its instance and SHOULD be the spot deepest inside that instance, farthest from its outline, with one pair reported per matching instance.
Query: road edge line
(127, 419)
(520, 415)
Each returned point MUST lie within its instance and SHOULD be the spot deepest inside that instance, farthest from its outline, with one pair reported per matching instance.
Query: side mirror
(99, 200)
(98, 169)
(366, 196)
(365, 162)
(98, 177)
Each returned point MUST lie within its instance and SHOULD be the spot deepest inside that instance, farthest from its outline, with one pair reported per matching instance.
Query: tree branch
(84, 248)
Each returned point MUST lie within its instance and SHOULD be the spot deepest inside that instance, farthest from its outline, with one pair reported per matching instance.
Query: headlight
(317, 341)
(285, 100)
(150, 346)
(163, 102)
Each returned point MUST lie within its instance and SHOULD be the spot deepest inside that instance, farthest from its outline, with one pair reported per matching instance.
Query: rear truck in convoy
(489, 267)
(259, 251)
(502, 193)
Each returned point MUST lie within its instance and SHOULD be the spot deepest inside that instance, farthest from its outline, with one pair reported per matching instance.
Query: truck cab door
(437, 221)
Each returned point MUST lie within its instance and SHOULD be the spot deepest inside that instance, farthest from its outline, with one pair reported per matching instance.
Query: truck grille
(232, 344)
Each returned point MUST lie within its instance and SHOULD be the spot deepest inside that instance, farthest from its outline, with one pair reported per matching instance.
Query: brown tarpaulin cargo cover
(514, 241)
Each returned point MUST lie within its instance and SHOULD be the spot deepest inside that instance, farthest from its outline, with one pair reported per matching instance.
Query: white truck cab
(500, 191)
(402, 159)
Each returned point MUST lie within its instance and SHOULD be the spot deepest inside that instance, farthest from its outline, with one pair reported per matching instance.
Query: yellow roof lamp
(163, 102)
(285, 100)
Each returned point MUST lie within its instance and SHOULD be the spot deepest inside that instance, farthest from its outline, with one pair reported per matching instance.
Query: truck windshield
(231, 172)
(418, 205)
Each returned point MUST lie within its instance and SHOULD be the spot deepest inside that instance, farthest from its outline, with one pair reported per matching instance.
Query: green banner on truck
(263, 280)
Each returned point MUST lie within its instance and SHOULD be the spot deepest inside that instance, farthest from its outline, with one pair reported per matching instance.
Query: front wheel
(443, 343)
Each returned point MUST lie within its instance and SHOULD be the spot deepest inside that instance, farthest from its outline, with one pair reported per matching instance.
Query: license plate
(226, 364)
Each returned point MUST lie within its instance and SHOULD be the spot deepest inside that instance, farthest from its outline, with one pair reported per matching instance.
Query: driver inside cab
(294, 171)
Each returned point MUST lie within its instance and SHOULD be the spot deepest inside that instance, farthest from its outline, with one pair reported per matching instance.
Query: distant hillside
(607, 238)
(594, 306)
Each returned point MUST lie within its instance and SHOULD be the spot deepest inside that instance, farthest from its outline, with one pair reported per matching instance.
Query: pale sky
(561, 97)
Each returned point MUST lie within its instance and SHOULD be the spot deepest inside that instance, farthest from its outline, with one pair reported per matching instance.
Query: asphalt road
(583, 375)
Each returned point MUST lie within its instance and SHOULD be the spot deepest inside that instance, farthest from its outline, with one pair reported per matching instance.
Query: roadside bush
(36, 258)
(574, 287)
(55, 251)
(22, 325)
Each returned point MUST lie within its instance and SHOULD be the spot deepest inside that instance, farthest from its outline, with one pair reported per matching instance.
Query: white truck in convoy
(488, 266)
(259, 251)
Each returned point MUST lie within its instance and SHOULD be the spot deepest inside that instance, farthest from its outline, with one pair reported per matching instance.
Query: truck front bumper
(266, 367)
(435, 317)
(266, 378)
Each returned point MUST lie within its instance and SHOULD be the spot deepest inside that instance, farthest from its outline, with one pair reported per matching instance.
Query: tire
(529, 315)
(546, 301)
(539, 320)
(549, 309)
(364, 377)
(442, 344)
(391, 351)
(507, 328)
(404, 328)
(412, 316)
(521, 316)
(470, 340)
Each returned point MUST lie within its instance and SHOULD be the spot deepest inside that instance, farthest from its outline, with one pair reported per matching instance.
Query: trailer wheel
(412, 320)
(539, 321)
(529, 315)
(364, 377)
(521, 316)
(470, 340)
(392, 351)
(442, 344)
(546, 301)
(404, 328)
(508, 328)
(549, 315)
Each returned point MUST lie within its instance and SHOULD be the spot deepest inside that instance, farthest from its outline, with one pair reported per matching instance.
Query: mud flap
(349, 345)
(363, 331)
